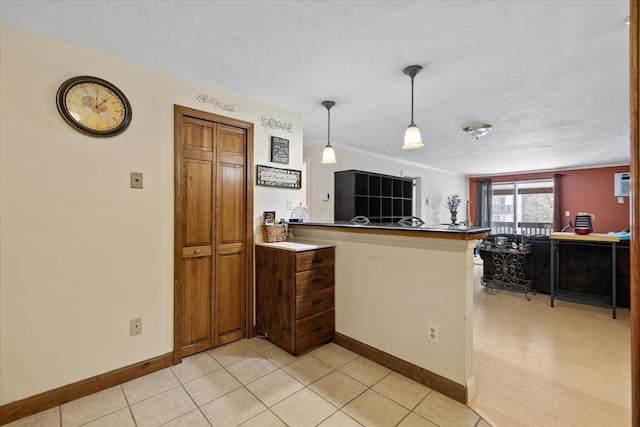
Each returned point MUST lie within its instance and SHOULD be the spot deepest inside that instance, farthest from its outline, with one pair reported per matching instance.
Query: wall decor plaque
(268, 122)
(279, 150)
(276, 177)
(206, 99)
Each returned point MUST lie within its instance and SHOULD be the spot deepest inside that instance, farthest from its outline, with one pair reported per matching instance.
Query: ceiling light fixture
(478, 130)
(328, 155)
(412, 138)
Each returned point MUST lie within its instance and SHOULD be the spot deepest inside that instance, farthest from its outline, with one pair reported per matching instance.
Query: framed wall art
(276, 177)
(269, 218)
(279, 150)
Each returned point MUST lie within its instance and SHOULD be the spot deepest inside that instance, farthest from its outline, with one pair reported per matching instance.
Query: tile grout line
(190, 397)
(126, 399)
(310, 354)
(108, 414)
(314, 355)
(268, 408)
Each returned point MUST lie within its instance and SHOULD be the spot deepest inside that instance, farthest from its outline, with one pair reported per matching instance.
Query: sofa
(584, 267)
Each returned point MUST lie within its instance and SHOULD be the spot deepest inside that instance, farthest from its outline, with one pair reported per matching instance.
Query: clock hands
(103, 101)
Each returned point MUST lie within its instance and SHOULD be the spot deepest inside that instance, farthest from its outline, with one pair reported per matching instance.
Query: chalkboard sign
(279, 150)
(276, 177)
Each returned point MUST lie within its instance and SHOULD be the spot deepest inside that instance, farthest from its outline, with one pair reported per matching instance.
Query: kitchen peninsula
(404, 298)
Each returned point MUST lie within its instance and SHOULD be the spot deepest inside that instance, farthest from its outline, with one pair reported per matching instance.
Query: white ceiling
(550, 76)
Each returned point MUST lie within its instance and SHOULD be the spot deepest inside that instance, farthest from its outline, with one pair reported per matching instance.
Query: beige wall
(436, 185)
(81, 252)
(389, 288)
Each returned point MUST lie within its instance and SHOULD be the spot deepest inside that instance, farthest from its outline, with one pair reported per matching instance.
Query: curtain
(484, 201)
(557, 208)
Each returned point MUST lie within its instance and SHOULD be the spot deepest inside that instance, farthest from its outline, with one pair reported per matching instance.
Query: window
(522, 207)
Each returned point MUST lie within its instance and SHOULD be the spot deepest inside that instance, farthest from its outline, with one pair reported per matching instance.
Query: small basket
(274, 233)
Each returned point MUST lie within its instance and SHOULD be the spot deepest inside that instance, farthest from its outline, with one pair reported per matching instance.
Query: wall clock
(93, 106)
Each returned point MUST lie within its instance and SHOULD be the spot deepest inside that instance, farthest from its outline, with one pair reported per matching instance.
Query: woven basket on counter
(274, 233)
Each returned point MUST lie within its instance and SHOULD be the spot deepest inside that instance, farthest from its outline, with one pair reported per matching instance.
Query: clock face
(93, 106)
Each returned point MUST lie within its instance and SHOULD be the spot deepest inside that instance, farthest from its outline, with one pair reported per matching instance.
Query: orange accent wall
(583, 190)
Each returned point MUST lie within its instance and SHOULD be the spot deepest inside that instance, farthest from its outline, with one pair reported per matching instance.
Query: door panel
(197, 206)
(197, 245)
(198, 135)
(232, 143)
(231, 208)
(197, 300)
(230, 297)
(213, 229)
(231, 185)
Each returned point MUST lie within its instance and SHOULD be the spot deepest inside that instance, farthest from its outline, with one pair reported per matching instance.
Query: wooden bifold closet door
(213, 237)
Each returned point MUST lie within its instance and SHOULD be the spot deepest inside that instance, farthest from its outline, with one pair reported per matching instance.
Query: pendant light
(412, 138)
(328, 155)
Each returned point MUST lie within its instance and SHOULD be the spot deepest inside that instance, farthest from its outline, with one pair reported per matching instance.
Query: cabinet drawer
(314, 259)
(314, 303)
(314, 280)
(315, 329)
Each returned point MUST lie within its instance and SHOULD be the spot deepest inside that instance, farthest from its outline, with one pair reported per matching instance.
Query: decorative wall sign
(276, 177)
(276, 124)
(206, 99)
(279, 150)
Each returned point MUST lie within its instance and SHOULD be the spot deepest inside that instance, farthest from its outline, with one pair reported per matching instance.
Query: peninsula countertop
(458, 232)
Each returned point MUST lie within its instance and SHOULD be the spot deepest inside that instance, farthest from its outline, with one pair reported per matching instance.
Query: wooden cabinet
(381, 198)
(295, 296)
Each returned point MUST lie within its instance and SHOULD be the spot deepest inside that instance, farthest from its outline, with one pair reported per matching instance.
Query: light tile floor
(255, 383)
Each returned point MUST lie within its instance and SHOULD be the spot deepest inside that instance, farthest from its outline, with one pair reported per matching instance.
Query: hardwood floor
(542, 366)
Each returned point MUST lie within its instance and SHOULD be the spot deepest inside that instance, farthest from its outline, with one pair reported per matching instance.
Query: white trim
(472, 388)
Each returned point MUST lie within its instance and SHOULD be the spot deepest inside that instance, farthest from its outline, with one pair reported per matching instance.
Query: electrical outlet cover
(135, 326)
(433, 333)
(136, 179)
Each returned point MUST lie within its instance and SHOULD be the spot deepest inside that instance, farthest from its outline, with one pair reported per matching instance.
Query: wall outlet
(136, 326)
(289, 204)
(136, 179)
(433, 333)
(567, 213)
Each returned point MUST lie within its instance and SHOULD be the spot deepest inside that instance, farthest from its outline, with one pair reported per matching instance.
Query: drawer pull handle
(316, 329)
(196, 252)
(316, 280)
(315, 261)
(316, 302)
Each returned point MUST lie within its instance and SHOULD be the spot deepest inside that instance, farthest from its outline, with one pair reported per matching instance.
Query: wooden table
(556, 292)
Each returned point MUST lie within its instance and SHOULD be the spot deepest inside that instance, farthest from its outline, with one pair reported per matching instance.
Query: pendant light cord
(412, 101)
(328, 127)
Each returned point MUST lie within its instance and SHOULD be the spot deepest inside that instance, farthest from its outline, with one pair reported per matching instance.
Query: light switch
(136, 179)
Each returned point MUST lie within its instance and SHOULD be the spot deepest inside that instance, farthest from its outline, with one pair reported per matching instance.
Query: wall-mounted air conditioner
(622, 184)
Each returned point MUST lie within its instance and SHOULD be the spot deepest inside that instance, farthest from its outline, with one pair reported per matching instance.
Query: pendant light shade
(412, 137)
(328, 155)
